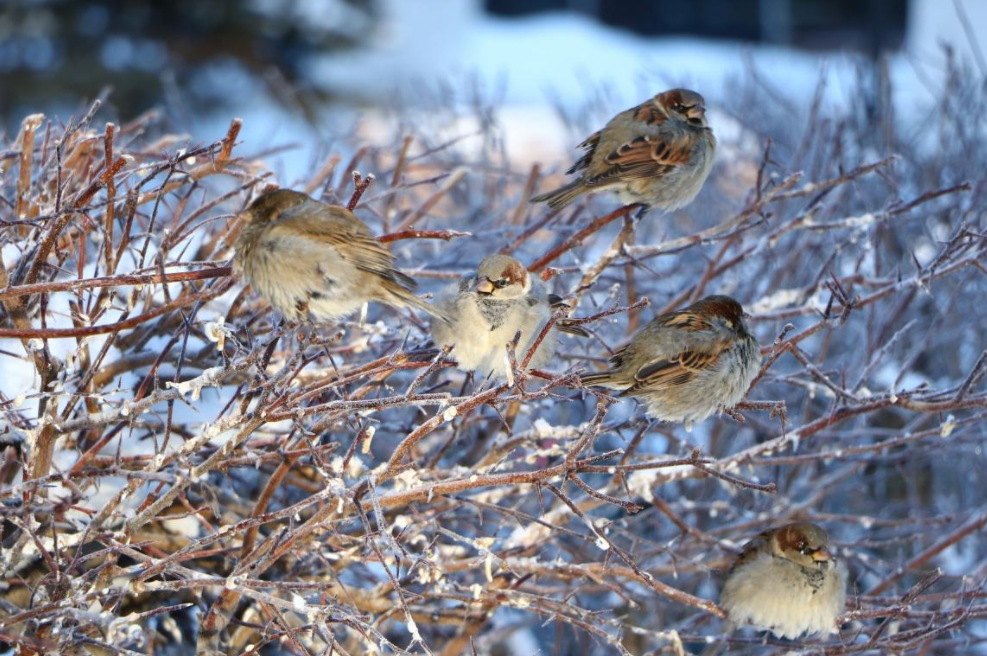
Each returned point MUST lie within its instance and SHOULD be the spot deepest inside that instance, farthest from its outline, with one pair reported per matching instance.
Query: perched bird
(686, 365)
(786, 581)
(657, 154)
(318, 261)
(486, 310)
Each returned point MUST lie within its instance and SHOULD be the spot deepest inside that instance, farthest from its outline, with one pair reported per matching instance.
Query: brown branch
(359, 186)
(114, 281)
(580, 236)
(445, 235)
(63, 333)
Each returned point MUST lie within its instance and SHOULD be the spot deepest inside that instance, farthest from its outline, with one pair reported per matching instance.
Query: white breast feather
(772, 594)
(482, 350)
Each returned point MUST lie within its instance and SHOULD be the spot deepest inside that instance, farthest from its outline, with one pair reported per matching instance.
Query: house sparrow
(657, 154)
(486, 310)
(688, 364)
(318, 261)
(786, 581)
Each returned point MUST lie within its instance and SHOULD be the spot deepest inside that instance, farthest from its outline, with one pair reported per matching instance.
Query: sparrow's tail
(562, 196)
(405, 298)
(596, 380)
(565, 327)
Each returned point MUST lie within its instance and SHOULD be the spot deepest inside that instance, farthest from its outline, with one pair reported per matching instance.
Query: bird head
(684, 105)
(802, 543)
(501, 277)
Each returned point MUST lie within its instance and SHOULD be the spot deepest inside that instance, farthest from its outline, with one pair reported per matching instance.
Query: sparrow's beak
(696, 111)
(822, 555)
(484, 286)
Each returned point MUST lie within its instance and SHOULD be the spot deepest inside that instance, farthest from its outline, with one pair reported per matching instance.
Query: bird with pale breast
(687, 364)
(658, 154)
(487, 309)
(312, 260)
(787, 581)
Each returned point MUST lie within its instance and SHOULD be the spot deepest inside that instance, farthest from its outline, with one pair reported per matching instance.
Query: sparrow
(316, 261)
(786, 581)
(686, 365)
(486, 311)
(657, 154)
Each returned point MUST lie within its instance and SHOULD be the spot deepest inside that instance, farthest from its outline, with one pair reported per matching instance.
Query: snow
(529, 64)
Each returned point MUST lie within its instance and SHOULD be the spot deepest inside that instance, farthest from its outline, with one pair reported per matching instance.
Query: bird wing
(590, 147)
(351, 238)
(647, 156)
(683, 366)
(750, 550)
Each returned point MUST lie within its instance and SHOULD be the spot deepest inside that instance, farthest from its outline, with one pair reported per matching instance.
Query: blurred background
(294, 67)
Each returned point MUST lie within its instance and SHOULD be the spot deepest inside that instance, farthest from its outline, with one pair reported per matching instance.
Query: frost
(450, 413)
(527, 536)
(407, 480)
(779, 299)
(413, 630)
(861, 221)
(209, 377)
(641, 482)
(216, 333)
(368, 438)
(542, 428)
(508, 371)
(948, 426)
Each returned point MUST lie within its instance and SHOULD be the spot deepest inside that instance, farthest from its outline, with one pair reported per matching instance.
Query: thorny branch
(337, 489)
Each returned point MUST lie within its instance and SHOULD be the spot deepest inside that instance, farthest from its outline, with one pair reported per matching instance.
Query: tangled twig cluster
(182, 469)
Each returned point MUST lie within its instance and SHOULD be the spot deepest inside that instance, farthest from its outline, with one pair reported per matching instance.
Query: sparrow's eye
(500, 284)
(680, 108)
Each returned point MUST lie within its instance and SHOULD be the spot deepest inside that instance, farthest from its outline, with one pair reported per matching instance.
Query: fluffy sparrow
(658, 154)
(486, 310)
(318, 261)
(688, 364)
(786, 581)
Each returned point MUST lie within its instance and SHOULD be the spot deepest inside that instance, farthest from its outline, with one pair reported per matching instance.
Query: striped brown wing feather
(646, 157)
(664, 374)
(683, 367)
